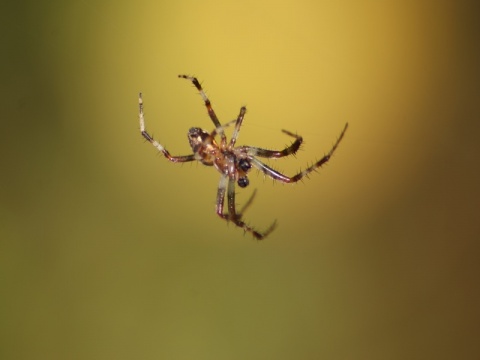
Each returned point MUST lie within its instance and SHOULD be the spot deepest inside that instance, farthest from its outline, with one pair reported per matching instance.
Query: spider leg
(238, 124)
(222, 128)
(289, 150)
(154, 142)
(248, 203)
(287, 179)
(232, 214)
(208, 105)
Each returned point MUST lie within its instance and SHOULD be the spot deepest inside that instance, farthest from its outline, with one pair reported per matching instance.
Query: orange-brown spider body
(233, 162)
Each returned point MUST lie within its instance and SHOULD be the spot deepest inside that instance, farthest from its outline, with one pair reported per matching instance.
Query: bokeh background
(108, 251)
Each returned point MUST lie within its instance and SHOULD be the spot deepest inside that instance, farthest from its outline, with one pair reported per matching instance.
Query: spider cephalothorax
(233, 162)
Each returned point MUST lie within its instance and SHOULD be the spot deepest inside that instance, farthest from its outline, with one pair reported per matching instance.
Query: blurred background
(108, 251)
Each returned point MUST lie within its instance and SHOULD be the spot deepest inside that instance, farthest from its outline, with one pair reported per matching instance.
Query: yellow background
(108, 251)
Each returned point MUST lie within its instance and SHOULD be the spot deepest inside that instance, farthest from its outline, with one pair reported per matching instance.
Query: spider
(233, 162)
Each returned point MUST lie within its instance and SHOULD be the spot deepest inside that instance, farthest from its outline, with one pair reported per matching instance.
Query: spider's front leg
(208, 105)
(154, 142)
(232, 215)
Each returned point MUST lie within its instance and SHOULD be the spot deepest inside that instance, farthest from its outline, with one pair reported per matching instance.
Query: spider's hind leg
(247, 204)
(232, 215)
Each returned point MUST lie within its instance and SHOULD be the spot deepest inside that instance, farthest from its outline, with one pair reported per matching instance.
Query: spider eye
(243, 182)
(244, 165)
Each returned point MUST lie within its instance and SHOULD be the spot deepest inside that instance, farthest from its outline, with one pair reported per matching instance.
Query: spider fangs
(233, 162)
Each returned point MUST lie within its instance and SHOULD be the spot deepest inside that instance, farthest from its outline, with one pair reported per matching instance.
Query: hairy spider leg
(248, 203)
(154, 142)
(232, 214)
(287, 179)
(208, 105)
(222, 128)
(238, 124)
(289, 150)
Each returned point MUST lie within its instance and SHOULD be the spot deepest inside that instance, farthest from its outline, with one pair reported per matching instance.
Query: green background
(108, 251)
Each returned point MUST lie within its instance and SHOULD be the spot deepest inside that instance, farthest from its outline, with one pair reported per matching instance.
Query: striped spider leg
(271, 154)
(233, 163)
